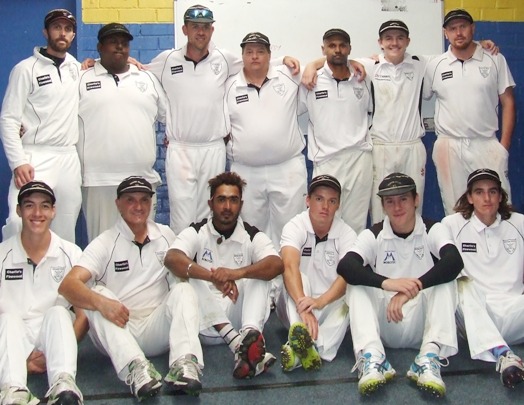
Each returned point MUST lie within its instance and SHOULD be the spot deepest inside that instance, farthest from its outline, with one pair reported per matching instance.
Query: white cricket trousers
(489, 320)
(333, 320)
(51, 334)
(429, 317)
(172, 326)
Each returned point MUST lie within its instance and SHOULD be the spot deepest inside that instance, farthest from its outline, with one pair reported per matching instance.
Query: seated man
(233, 264)
(133, 310)
(35, 323)
(312, 302)
(491, 305)
(403, 292)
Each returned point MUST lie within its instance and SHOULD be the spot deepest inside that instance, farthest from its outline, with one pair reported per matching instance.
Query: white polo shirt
(264, 121)
(44, 100)
(339, 115)
(394, 257)
(195, 93)
(467, 93)
(27, 290)
(397, 91)
(318, 260)
(202, 243)
(117, 116)
(493, 255)
(137, 276)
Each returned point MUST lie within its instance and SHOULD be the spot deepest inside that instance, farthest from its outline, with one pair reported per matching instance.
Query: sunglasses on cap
(198, 13)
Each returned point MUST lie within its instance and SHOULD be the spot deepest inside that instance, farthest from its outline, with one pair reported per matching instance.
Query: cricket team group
(257, 237)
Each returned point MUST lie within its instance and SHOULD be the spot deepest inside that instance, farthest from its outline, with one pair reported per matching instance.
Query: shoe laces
(434, 362)
(368, 361)
(139, 373)
(187, 367)
(507, 360)
(64, 382)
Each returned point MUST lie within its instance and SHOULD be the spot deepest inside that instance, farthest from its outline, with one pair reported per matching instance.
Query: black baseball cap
(483, 174)
(457, 14)
(198, 14)
(336, 31)
(36, 187)
(396, 184)
(393, 25)
(113, 29)
(324, 180)
(59, 14)
(255, 38)
(134, 184)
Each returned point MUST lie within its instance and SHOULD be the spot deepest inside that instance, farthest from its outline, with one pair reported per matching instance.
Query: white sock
(230, 336)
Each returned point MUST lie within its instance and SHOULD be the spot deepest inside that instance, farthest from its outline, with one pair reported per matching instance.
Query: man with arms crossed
(230, 264)
(39, 124)
(312, 304)
(403, 292)
(468, 84)
(133, 309)
(490, 238)
(36, 328)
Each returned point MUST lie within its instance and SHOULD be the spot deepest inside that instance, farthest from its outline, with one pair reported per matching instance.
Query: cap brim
(396, 191)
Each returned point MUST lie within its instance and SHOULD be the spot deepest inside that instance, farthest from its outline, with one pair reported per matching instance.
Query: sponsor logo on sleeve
(469, 247)
(446, 75)
(121, 266)
(321, 94)
(14, 274)
(306, 251)
(93, 85)
(177, 69)
(44, 80)
(244, 98)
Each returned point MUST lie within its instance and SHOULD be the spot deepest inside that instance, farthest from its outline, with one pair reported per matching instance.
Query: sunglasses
(197, 13)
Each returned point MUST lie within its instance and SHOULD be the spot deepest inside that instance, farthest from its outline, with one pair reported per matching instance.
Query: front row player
(230, 264)
(133, 311)
(491, 305)
(403, 292)
(313, 305)
(36, 328)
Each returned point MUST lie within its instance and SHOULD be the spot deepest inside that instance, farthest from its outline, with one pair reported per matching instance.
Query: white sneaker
(184, 374)
(374, 370)
(64, 391)
(143, 379)
(425, 371)
(511, 369)
(17, 396)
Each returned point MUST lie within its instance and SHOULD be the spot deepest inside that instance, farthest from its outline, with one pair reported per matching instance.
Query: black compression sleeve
(446, 269)
(352, 269)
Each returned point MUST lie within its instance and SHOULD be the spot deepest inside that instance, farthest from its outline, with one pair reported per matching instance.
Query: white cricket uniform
(397, 127)
(318, 268)
(247, 245)
(195, 127)
(161, 317)
(43, 99)
(429, 317)
(491, 304)
(117, 116)
(33, 316)
(266, 148)
(338, 139)
(466, 119)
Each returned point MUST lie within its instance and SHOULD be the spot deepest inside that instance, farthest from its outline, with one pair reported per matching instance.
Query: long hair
(466, 209)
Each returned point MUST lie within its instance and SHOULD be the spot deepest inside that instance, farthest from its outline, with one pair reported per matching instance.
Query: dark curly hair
(228, 178)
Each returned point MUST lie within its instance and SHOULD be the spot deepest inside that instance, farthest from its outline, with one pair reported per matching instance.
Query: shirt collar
(480, 226)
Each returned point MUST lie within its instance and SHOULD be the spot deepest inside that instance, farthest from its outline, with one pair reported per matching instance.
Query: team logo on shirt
(142, 86)
(239, 258)
(280, 88)
(44, 80)
(306, 252)
(160, 257)
(73, 72)
(121, 266)
(419, 252)
(359, 92)
(216, 68)
(469, 247)
(409, 75)
(510, 245)
(14, 274)
(390, 257)
(177, 69)
(321, 94)
(484, 71)
(93, 85)
(446, 75)
(329, 257)
(244, 98)
(207, 256)
(58, 273)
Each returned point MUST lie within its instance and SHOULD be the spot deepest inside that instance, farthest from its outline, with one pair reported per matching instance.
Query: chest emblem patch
(280, 88)
(216, 68)
(510, 245)
(409, 75)
(419, 252)
(329, 257)
(390, 257)
(58, 273)
(359, 92)
(141, 86)
(160, 257)
(207, 256)
(239, 258)
(484, 71)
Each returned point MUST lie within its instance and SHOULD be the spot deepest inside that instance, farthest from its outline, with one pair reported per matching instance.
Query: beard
(57, 45)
